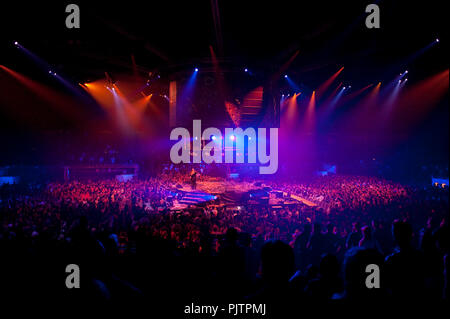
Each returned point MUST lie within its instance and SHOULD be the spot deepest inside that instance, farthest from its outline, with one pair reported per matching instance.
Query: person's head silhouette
(402, 233)
(278, 262)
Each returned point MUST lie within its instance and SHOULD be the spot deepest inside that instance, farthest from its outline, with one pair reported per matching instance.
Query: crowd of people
(131, 242)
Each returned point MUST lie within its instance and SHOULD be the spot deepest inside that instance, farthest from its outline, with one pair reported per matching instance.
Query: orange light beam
(325, 85)
(285, 66)
(310, 113)
(356, 93)
(56, 100)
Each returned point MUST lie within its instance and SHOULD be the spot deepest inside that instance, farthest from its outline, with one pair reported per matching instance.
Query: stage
(229, 192)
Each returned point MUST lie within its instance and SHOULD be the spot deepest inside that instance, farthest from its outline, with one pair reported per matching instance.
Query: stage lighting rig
(109, 80)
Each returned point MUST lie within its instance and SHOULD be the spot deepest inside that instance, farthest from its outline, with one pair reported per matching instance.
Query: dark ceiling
(260, 35)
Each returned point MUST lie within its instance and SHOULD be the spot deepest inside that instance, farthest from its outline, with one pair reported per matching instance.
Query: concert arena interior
(230, 159)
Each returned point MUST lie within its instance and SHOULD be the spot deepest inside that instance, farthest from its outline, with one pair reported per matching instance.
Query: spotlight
(50, 71)
(213, 137)
(232, 137)
(344, 87)
(285, 76)
(54, 73)
(196, 69)
(249, 138)
(437, 40)
(406, 80)
(16, 43)
(406, 71)
(245, 70)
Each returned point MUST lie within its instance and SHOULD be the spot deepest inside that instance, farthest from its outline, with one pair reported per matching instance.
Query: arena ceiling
(161, 35)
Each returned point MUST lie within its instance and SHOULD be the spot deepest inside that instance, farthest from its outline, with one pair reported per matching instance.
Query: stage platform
(233, 192)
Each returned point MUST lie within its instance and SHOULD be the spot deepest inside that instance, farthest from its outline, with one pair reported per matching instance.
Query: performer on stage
(193, 179)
